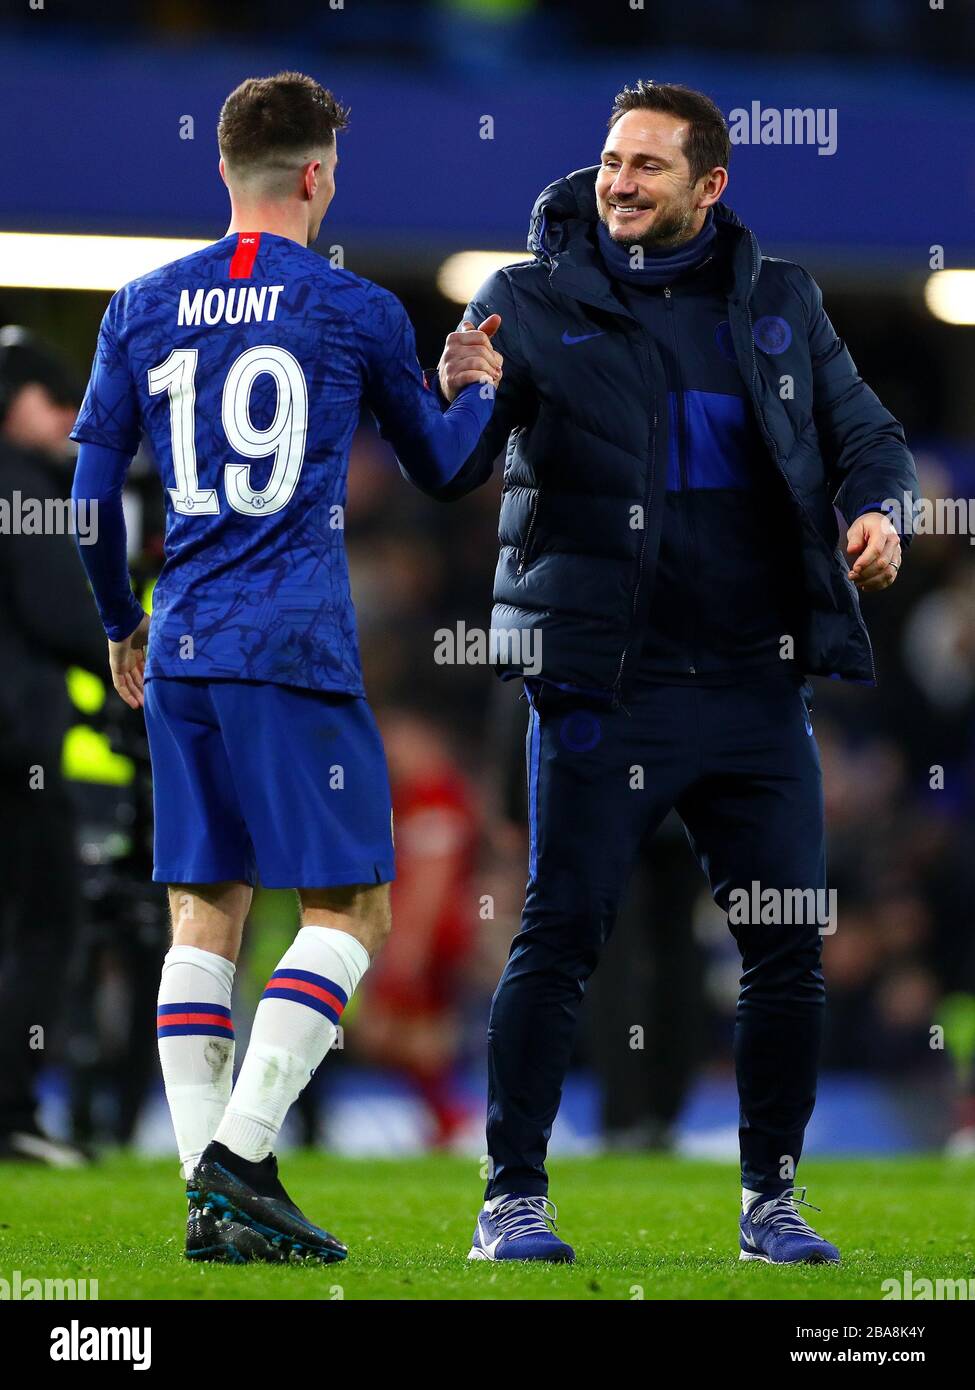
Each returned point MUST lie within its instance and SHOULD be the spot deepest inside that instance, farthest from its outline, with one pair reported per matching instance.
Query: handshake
(468, 357)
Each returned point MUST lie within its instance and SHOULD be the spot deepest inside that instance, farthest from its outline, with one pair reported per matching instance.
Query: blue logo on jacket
(570, 340)
(772, 334)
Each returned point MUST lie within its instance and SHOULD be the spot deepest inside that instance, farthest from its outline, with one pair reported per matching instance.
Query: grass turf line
(651, 1227)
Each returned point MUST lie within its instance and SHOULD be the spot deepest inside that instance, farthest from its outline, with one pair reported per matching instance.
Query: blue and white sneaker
(773, 1230)
(519, 1228)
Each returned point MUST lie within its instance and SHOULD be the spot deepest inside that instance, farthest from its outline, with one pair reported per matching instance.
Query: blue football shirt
(244, 366)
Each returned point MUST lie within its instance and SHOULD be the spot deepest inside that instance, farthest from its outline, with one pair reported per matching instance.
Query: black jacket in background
(47, 623)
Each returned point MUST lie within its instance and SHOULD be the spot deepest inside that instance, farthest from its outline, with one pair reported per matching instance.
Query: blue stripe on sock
(173, 1030)
(296, 997)
(193, 1007)
(321, 980)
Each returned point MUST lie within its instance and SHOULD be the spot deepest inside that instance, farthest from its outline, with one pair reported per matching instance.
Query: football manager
(693, 500)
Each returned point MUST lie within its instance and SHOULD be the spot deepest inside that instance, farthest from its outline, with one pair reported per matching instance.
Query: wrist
(122, 629)
(431, 376)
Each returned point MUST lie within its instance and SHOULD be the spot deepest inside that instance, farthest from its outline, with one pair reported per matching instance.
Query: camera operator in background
(47, 624)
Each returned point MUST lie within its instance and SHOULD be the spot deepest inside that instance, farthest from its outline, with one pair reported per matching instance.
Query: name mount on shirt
(240, 304)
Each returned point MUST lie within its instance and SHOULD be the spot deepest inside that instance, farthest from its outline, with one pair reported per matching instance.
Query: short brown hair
(707, 143)
(268, 120)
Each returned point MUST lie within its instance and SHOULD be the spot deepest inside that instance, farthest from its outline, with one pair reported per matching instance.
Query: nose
(624, 185)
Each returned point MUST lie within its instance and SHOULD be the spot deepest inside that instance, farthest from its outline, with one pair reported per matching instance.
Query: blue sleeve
(109, 413)
(98, 481)
(431, 446)
(516, 404)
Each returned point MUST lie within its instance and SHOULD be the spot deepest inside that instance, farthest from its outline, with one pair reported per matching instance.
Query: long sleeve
(108, 430)
(98, 482)
(516, 401)
(863, 444)
(432, 447)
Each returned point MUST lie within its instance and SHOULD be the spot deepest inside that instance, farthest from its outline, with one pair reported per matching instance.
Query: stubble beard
(671, 231)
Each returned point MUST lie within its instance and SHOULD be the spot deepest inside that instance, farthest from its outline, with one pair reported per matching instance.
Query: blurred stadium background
(108, 119)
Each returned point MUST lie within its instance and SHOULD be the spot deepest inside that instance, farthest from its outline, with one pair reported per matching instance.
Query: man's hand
(127, 660)
(873, 539)
(468, 357)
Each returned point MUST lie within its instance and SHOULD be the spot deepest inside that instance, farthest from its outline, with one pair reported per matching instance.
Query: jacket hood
(566, 209)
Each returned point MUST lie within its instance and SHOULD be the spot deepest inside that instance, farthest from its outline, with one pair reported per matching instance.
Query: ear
(312, 172)
(713, 187)
(223, 170)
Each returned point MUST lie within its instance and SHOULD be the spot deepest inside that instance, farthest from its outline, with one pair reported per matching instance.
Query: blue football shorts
(252, 779)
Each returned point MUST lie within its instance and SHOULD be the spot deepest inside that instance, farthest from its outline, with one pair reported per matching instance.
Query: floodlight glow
(463, 273)
(43, 261)
(950, 295)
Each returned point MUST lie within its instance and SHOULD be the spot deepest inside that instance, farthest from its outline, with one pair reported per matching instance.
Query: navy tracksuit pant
(740, 765)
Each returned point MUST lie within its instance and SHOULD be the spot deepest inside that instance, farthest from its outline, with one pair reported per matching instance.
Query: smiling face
(644, 191)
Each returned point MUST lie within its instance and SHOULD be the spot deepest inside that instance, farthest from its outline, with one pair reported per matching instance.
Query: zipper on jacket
(687, 521)
(528, 536)
(648, 500)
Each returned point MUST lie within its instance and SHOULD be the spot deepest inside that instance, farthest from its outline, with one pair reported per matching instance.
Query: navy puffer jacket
(585, 466)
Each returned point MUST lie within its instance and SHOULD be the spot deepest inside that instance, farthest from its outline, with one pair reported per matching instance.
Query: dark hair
(707, 143)
(267, 118)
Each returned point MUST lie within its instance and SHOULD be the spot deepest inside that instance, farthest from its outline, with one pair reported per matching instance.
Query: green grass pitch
(650, 1227)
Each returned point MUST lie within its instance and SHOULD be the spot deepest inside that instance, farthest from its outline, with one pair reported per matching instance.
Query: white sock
(196, 1045)
(748, 1197)
(295, 1025)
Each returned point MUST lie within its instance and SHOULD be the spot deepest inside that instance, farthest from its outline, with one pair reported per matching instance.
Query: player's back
(246, 358)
